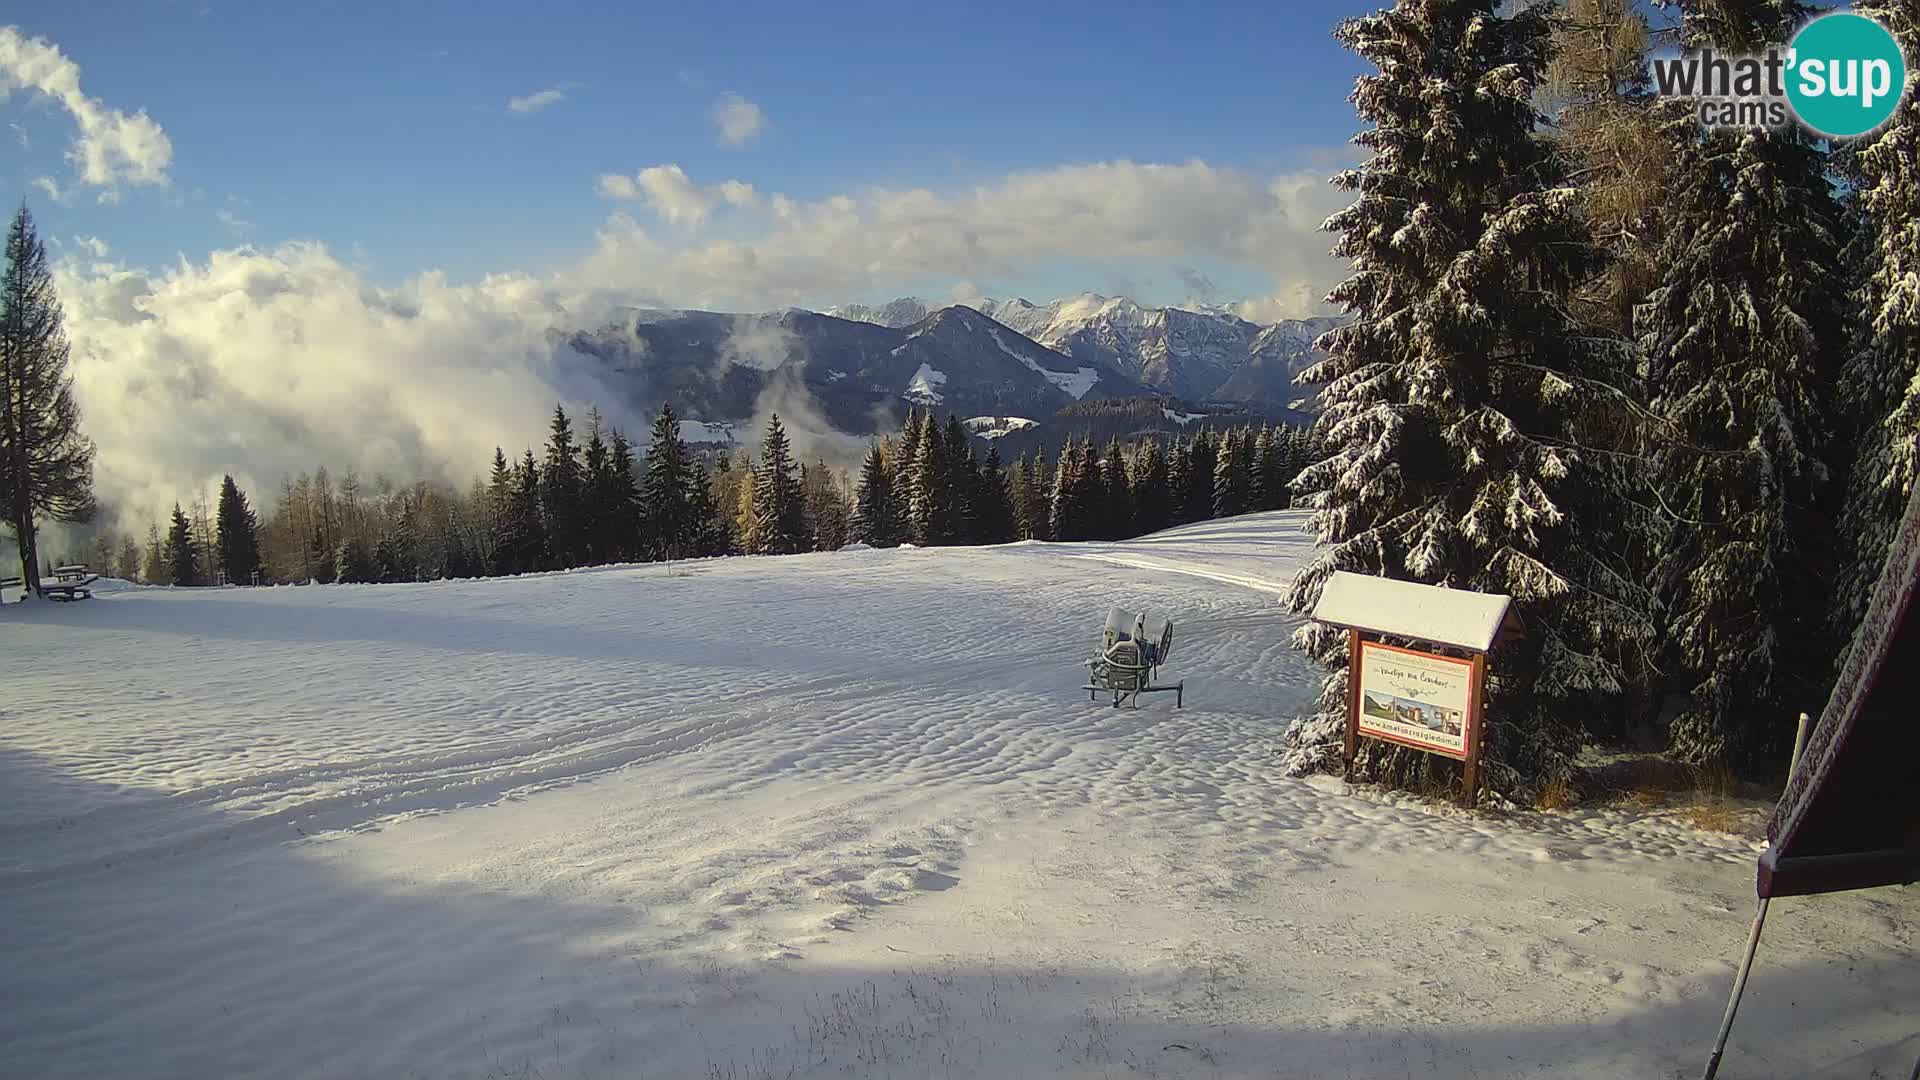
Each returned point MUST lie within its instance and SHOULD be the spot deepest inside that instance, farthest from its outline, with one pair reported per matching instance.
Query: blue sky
(384, 131)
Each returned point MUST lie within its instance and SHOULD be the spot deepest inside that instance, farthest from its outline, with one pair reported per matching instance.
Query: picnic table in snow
(69, 583)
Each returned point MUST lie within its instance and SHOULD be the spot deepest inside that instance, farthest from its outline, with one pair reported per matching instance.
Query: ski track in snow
(826, 815)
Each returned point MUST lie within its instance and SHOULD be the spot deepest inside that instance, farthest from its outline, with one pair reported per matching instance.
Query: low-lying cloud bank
(265, 362)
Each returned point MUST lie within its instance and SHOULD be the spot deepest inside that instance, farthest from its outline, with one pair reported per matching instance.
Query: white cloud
(268, 362)
(878, 240)
(111, 147)
(740, 121)
(238, 226)
(541, 99)
(677, 199)
(53, 189)
(20, 135)
(92, 245)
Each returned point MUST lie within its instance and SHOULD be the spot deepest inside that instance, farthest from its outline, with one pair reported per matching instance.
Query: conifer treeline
(1654, 380)
(591, 502)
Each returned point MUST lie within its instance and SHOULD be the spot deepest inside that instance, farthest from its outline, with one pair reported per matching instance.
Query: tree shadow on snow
(263, 956)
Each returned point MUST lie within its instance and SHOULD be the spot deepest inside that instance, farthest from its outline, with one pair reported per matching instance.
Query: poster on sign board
(1416, 699)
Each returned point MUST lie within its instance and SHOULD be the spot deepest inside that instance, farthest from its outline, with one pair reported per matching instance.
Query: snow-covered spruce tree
(1179, 481)
(929, 501)
(1152, 505)
(778, 508)
(1040, 496)
(1229, 479)
(876, 514)
(1880, 386)
(1020, 495)
(1068, 515)
(962, 482)
(1741, 336)
(1458, 395)
(46, 464)
(1269, 484)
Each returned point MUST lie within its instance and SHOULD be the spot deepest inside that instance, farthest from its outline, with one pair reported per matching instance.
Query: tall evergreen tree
(1457, 395)
(529, 524)
(623, 501)
(876, 511)
(1203, 461)
(930, 488)
(1880, 386)
(158, 569)
(1115, 510)
(994, 506)
(668, 491)
(501, 520)
(239, 538)
(597, 513)
(560, 492)
(1039, 497)
(1229, 480)
(1269, 471)
(1180, 482)
(962, 482)
(127, 562)
(1020, 496)
(778, 506)
(1152, 501)
(1739, 335)
(183, 558)
(1066, 514)
(46, 464)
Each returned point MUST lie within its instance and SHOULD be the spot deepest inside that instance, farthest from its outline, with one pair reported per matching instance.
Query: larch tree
(1459, 395)
(46, 463)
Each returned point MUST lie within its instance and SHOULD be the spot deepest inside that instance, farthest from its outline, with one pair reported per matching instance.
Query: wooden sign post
(1412, 697)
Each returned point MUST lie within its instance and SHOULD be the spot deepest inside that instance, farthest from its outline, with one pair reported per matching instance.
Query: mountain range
(860, 368)
(1205, 354)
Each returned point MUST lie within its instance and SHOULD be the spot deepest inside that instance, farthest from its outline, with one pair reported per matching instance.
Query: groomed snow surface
(826, 816)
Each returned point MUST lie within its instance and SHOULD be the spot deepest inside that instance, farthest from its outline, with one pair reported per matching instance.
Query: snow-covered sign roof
(1466, 620)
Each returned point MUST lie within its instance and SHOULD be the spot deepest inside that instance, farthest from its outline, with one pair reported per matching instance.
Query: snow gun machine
(1132, 648)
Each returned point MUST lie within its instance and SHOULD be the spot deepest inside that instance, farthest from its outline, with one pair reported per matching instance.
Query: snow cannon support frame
(1129, 661)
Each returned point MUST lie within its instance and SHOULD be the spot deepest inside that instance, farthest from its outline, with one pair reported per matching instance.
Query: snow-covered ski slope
(826, 815)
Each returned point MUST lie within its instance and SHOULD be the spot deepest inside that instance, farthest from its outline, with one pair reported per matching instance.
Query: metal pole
(1739, 987)
(1753, 939)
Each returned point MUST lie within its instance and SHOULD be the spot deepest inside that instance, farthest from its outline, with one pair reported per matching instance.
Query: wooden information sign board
(1418, 698)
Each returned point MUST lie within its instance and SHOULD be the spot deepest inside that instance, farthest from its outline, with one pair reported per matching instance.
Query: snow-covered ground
(828, 815)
